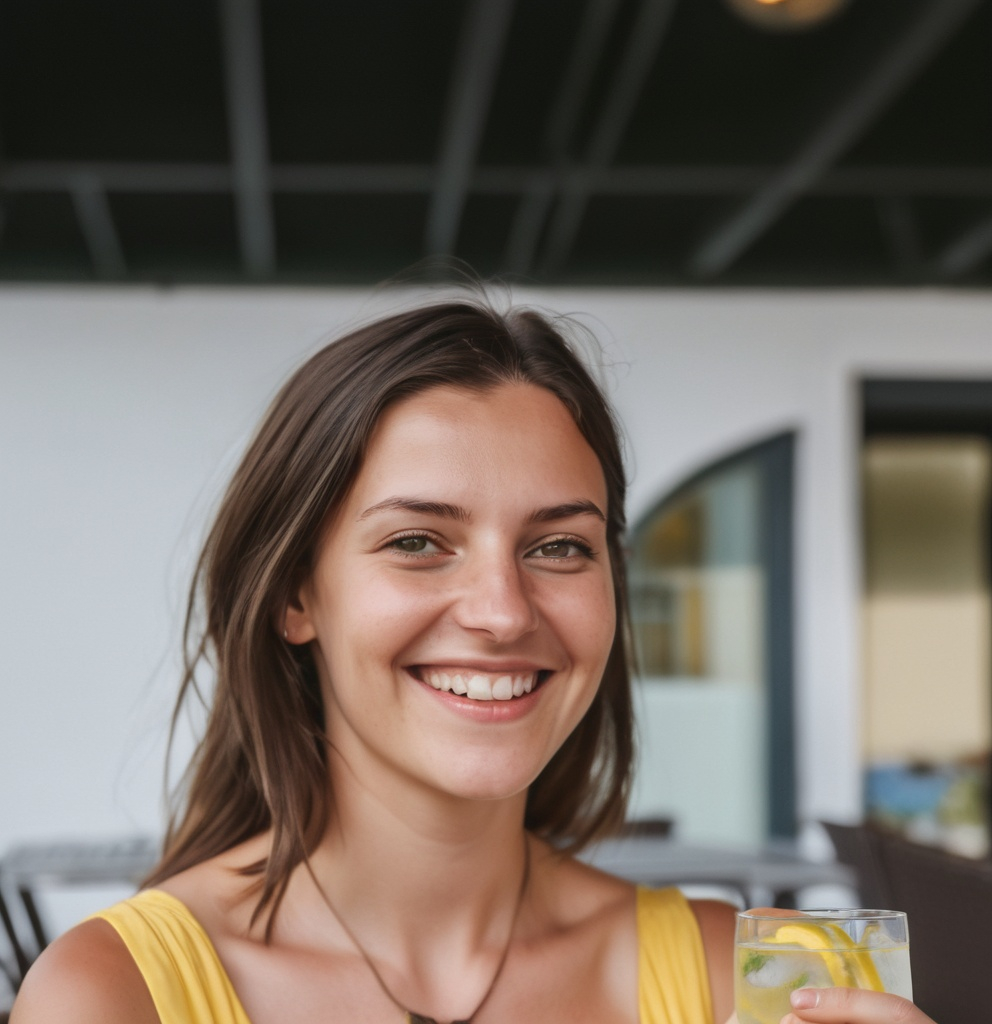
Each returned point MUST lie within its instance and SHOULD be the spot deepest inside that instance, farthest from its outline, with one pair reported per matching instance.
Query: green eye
(411, 545)
(560, 550)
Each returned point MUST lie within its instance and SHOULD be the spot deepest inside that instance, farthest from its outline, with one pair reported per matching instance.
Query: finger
(854, 1006)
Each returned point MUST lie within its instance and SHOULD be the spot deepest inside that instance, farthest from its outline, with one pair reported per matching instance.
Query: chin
(489, 782)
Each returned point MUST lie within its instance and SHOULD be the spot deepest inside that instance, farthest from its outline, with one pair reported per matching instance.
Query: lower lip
(486, 710)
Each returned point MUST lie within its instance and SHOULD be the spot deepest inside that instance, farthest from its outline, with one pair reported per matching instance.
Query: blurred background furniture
(14, 961)
(27, 870)
(948, 899)
(856, 846)
(771, 875)
(658, 827)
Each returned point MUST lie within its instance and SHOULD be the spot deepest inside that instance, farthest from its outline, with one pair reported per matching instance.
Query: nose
(495, 597)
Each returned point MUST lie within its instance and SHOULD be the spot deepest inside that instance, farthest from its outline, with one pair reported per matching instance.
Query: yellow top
(189, 985)
(673, 985)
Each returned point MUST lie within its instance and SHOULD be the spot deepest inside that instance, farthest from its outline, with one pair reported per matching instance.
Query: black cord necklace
(420, 1018)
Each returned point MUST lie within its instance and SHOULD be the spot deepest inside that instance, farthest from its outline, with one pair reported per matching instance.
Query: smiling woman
(468, 559)
(413, 600)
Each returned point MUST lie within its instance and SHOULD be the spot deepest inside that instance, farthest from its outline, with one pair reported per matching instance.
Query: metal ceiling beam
(97, 225)
(58, 176)
(731, 180)
(241, 29)
(642, 46)
(330, 178)
(903, 181)
(924, 38)
(967, 251)
(573, 88)
(477, 63)
(691, 179)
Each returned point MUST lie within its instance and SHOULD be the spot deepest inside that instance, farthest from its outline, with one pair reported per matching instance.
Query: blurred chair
(27, 868)
(948, 900)
(858, 847)
(657, 828)
(13, 969)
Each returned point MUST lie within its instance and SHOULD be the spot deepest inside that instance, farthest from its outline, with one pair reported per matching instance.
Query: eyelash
(395, 542)
(583, 549)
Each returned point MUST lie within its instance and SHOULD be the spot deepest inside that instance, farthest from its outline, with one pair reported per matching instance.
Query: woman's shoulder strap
(186, 979)
(673, 982)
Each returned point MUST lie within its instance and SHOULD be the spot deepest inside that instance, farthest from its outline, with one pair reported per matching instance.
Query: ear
(297, 624)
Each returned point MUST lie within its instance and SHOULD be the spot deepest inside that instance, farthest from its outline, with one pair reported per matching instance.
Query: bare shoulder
(581, 891)
(716, 925)
(716, 922)
(217, 892)
(86, 976)
(589, 921)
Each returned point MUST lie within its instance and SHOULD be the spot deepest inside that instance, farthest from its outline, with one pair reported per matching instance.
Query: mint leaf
(755, 961)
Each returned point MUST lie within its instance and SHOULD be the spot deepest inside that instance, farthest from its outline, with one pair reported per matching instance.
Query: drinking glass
(776, 953)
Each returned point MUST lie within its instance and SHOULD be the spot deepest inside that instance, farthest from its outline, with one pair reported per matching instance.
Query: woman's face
(461, 610)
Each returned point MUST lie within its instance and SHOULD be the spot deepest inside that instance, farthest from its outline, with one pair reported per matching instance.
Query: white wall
(121, 412)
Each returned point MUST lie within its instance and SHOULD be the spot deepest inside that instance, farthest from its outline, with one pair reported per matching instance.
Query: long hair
(261, 763)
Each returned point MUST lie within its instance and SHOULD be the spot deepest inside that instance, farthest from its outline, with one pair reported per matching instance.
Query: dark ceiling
(662, 142)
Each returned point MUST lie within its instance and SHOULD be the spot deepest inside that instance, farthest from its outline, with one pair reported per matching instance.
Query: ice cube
(789, 969)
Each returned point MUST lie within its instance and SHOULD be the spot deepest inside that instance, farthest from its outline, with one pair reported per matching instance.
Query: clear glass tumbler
(779, 951)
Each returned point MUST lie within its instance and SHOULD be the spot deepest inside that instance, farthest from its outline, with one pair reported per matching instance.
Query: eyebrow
(444, 510)
(580, 507)
(440, 509)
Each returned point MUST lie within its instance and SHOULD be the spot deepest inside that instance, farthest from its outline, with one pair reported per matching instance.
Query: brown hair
(262, 760)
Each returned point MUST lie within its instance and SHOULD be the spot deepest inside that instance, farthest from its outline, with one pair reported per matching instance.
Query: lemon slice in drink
(844, 961)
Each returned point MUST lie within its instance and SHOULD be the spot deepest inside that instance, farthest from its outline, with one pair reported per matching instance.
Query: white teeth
(481, 687)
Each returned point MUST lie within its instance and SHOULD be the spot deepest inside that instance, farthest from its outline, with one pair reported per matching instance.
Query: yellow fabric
(189, 985)
(673, 983)
(184, 975)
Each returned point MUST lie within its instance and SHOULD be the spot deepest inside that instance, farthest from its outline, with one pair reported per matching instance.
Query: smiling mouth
(483, 686)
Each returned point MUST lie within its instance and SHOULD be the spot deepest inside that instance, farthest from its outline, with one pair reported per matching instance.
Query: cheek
(376, 614)
(397, 600)
(589, 620)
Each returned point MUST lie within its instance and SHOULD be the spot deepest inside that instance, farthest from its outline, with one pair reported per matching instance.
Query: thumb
(855, 1005)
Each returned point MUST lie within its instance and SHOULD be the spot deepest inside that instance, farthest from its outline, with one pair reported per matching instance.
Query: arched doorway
(711, 606)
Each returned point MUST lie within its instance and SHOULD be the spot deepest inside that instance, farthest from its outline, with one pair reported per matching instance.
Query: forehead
(512, 435)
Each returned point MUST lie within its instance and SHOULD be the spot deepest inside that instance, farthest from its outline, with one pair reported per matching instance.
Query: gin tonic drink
(780, 951)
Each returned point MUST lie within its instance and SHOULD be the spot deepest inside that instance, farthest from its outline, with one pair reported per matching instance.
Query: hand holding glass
(779, 952)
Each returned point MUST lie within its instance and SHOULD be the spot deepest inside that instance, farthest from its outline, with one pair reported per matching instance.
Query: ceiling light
(786, 15)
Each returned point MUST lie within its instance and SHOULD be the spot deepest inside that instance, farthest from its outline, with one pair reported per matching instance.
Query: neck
(411, 850)
(428, 887)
